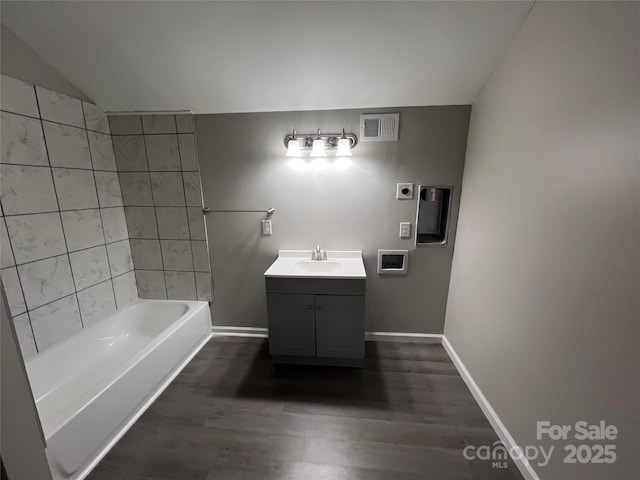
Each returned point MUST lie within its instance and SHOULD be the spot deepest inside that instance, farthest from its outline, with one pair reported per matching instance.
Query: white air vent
(379, 127)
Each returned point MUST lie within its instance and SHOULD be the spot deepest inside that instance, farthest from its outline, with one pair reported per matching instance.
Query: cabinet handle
(319, 308)
(309, 307)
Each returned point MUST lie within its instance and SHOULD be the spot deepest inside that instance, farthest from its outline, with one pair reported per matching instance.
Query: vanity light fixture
(319, 143)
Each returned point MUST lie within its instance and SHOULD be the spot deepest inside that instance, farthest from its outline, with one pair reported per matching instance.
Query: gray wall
(543, 306)
(243, 165)
(158, 169)
(20, 61)
(64, 245)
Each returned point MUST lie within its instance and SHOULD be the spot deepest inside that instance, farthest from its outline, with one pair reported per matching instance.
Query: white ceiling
(220, 57)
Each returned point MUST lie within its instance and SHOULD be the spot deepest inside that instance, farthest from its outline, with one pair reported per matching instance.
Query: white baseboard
(523, 465)
(257, 332)
(403, 337)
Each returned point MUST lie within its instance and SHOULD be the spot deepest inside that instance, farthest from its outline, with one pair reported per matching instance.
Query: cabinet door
(340, 326)
(291, 324)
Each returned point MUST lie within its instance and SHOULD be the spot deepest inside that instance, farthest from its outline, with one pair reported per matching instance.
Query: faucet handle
(323, 254)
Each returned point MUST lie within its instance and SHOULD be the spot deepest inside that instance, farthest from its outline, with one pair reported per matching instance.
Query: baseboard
(223, 331)
(257, 332)
(523, 465)
(403, 337)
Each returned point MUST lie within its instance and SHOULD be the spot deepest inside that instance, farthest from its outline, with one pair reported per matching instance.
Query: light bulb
(318, 148)
(293, 149)
(344, 148)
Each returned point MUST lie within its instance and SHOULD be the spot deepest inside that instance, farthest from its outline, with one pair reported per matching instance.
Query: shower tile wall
(65, 254)
(158, 169)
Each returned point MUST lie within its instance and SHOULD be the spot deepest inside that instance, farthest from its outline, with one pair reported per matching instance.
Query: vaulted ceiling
(221, 57)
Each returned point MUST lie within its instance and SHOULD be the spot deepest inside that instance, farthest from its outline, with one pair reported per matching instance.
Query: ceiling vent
(379, 127)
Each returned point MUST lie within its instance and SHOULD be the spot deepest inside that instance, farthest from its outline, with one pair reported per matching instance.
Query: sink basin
(318, 266)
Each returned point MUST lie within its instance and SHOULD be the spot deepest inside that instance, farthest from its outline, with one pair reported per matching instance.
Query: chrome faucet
(318, 254)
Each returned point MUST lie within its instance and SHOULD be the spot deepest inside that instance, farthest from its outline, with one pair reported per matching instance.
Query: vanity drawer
(316, 286)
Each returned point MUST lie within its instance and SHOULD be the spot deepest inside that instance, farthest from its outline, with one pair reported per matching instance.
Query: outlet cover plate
(404, 191)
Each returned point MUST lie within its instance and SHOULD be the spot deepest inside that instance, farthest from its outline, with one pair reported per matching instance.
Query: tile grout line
(69, 252)
(33, 165)
(95, 182)
(75, 293)
(52, 121)
(186, 211)
(153, 199)
(61, 211)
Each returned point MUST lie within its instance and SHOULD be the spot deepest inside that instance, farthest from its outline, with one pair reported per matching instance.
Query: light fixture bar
(330, 139)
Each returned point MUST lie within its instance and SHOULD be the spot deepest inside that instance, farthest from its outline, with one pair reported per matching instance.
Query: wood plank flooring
(232, 415)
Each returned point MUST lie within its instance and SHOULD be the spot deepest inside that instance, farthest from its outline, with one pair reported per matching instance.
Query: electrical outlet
(404, 191)
(266, 227)
(405, 229)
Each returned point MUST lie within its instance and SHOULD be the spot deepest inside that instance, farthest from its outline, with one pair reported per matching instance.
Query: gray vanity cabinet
(316, 321)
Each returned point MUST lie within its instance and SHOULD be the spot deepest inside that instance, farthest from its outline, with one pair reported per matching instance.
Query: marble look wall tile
(102, 154)
(108, 187)
(96, 303)
(125, 289)
(151, 284)
(34, 237)
(25, 335)
(95, 118)
(18, 97)
(176, 254)
(82, 229)
(146, 254)
(75, 189)
(131, 154)
(196, 223)
(114, 223)
(13, 290)
(136, 189)
(180, 285)
(184, 123)
(67, 146)
(141, 222)
(162, 152)
(46, 280)
(167, 189)
(172, 223)
(60, 108)
(22, 141)
(90, 266)
(27, 190)
(55, 321)
(159, 123)
(203, 287)
(6, 253)
(125, 124)
(120, 259)
(200, 256)
(188, 156)
(192, 189)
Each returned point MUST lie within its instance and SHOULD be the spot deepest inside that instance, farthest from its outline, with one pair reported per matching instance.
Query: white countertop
(298, 264)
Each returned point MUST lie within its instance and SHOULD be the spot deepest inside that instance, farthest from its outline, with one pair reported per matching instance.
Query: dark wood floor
(232, 415)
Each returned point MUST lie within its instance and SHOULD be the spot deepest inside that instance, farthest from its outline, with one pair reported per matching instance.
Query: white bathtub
(90, 388)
